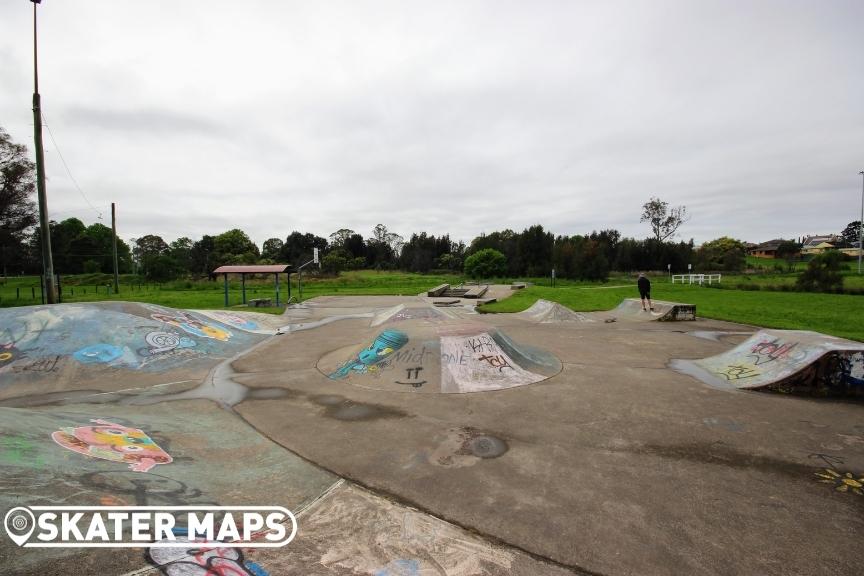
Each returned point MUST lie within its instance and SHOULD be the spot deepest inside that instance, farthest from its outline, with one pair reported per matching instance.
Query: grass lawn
(837, 314)
(25, 290)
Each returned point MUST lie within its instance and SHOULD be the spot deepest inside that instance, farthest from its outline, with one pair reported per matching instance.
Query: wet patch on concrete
(466, 447)
(327, 399)
(350, 411)
(485, 446)
(269, 393)
(722, 455)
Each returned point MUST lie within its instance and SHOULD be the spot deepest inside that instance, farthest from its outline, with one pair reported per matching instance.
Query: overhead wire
(68, 171)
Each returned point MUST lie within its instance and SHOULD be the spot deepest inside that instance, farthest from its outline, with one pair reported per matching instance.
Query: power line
(66, 166)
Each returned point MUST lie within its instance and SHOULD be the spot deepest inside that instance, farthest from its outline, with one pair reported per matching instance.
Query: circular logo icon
(19, 523)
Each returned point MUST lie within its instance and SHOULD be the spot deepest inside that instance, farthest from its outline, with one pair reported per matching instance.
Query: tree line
(533, 252)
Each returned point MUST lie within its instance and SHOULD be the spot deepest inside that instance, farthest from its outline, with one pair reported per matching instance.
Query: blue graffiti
(399, 568)
(98, 354)
(377, 353)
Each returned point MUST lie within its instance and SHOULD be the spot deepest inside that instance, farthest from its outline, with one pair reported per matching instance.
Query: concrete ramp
(785, 360)
(631, 309)
(415, 356)
(109, 345)
(546, 312)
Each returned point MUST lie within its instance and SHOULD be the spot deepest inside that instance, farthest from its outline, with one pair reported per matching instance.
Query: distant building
(766, 249)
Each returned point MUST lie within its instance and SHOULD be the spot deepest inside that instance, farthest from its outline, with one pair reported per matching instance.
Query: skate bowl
(631, 309)
(114, 344)
(546, 312)
(787, 361)
(414, 355)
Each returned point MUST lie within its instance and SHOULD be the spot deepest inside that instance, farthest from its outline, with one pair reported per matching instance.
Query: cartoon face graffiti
(193, 326)
(370, 358)
(114, 442)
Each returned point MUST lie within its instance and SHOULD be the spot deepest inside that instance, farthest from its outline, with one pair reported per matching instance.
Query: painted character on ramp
(369, 359)
(114, 442)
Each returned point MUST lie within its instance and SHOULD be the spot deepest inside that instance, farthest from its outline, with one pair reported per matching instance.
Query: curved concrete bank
(788, 360)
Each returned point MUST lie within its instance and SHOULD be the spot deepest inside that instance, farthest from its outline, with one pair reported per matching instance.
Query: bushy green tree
(723, 254)
(486, 263)
(822, 273)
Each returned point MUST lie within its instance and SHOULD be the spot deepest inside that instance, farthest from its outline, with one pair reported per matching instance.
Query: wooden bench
(261, 303)
(438, 290)
(517, 286)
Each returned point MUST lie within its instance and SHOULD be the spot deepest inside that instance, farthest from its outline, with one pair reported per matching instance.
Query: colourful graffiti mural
(466, 359)
(110, 335)
(114, 442)
(785, 360)
(369, 359)
(193, 325)
(204, 559)
(234, 320)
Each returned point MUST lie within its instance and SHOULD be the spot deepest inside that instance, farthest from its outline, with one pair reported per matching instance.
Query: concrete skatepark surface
(571, 448)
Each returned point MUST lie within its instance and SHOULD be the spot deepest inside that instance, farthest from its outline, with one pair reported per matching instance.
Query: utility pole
(114, 248)
(47, 261)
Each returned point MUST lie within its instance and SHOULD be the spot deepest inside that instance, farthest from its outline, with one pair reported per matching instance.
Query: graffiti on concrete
(115, 442)
(203, 559)
(98, 354)
(19, 451)
(400, 567)
(372, 357)
(9, 354)
(477, 362)
(39, 339)
(459, 359)
(234, 320)
(842, 481)
(786, 361)
(159, 342)
(144, 489)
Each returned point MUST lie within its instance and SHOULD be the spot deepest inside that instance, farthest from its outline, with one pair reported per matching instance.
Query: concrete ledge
(438, 290)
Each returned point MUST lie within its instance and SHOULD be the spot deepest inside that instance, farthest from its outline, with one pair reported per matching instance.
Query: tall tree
(663, 220)
(852, 234)
(234, 247)
(17, 209)
(272, 249)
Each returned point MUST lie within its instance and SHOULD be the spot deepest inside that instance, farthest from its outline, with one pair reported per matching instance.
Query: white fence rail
(696, 278)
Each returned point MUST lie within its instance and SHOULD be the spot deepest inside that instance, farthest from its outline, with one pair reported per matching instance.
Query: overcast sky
(451, 117)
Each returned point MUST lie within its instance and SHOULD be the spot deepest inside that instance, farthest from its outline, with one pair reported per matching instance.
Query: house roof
(769, 245)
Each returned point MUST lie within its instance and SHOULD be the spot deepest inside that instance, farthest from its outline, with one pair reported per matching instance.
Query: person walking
(645, 291)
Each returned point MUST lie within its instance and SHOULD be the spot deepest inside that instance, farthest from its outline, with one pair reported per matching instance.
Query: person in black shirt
(645, 291)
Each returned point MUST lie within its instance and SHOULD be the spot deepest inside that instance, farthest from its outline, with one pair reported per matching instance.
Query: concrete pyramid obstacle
(787, 360)
(546, 312)
(416, 356)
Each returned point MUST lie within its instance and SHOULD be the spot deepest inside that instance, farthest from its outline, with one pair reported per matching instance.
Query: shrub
(822, 274)
(487, 263)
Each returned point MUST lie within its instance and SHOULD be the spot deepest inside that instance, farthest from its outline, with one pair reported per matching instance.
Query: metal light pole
(47, 261)
(861, 224)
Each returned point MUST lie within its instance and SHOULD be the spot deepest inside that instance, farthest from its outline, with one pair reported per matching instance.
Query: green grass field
(23, 291)
(837, 314)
